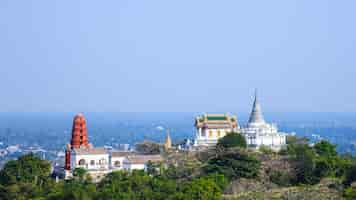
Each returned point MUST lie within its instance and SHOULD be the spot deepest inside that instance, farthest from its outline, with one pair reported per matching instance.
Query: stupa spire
(168, 141)
(256, 113)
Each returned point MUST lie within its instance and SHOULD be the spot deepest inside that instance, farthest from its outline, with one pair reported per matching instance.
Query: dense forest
(229, 171)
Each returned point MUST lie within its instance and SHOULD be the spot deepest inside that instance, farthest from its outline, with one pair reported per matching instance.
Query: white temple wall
(276, 140)
(91, 161)
(117, 162)
(137, 167)
(127, 165)
(210, 136)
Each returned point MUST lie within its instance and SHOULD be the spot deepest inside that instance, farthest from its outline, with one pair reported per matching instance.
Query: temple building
(80, 153)
(98, 161)
(79, 140)
(259, 133)
(211, 127)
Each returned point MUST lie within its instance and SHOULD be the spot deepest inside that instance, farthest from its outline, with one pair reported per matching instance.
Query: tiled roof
(143, 159)
(121, 153)
(90, 151)
(216, 120)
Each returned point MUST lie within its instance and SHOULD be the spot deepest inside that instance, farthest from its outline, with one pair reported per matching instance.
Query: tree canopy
(27, 169)
(325, 148)
(214, 172)
(232, 140)
(234, 164)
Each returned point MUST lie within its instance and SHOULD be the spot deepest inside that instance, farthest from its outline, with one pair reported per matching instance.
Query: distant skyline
(169, 56)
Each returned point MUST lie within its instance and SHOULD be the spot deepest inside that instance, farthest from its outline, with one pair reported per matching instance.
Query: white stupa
(259, 133)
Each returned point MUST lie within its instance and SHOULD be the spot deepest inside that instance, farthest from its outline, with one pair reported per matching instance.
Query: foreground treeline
(210, 174)
(29, 178)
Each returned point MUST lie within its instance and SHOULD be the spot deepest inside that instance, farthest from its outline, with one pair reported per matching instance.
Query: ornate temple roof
(256, 116)
(216, 121)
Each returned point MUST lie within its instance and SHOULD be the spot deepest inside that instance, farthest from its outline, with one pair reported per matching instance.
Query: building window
(210, 133)
(102, 161)
(81, 162)
(203, 133)
(219, 133)
(92, 162)
(117, 163)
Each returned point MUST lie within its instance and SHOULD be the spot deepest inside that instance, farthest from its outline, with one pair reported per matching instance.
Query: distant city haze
(177, 56)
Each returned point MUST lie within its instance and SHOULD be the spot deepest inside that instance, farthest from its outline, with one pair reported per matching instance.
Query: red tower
(79, 132)
(79, 138)
(67, 158)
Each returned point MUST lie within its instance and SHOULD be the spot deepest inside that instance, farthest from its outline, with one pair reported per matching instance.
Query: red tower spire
(79, 132)
(79, 138)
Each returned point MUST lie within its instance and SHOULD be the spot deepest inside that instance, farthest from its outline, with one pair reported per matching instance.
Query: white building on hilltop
(259, 133)
(98, 161)
(139, 162)
(211, 127)
(92, 159)
(117, 159)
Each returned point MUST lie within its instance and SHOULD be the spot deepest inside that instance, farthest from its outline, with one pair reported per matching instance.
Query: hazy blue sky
(183, 55)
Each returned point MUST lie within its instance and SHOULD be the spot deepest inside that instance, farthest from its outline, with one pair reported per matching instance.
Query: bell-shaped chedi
(79, 133)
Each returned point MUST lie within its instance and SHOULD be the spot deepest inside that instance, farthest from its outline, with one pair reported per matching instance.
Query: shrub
(266, 150)
(281, 178)
(202, 189)
(350, 193)
(350, 175)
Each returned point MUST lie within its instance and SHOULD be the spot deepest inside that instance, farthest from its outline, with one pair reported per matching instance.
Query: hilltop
(300, 171)
(229, 171)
